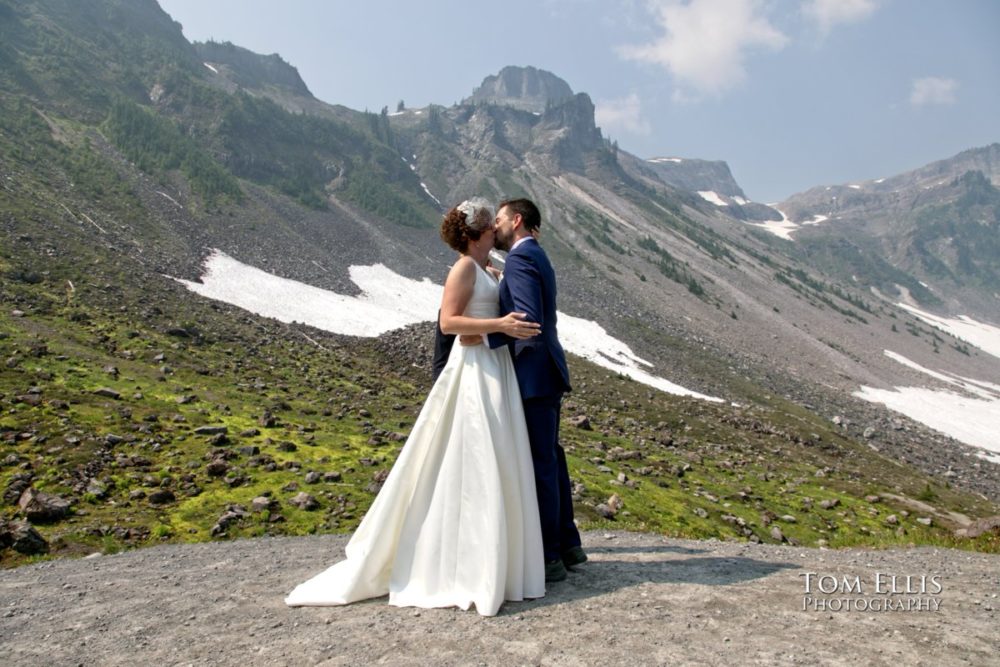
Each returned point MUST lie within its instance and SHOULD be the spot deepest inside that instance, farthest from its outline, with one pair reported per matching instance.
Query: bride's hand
(515, 326)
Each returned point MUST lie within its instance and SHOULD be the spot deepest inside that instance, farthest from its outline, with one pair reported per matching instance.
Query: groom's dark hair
(530, 216)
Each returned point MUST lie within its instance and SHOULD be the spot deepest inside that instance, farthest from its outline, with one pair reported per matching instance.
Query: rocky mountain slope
(130, 165)
(929, 235)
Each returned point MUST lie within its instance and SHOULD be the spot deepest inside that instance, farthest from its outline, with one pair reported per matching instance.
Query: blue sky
(792, 94)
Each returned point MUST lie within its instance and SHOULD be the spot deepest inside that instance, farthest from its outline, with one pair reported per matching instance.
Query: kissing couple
(477, 508)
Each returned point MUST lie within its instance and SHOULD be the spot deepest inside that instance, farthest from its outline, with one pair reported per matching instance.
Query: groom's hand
(469, 340)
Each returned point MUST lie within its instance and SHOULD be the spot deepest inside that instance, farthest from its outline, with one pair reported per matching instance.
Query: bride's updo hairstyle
(466, 222)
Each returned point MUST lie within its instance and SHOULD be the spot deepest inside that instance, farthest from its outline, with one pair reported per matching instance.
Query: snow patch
(657, 160)
(984, 336)
(782, 228)
(974, 420)
(816, 219)
(390, 301)
(589, 340)
(424, 186)
(710, 196)
(741, 201)
(210, 67)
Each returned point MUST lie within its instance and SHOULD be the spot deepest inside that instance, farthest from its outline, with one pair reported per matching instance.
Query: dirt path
(641, 600)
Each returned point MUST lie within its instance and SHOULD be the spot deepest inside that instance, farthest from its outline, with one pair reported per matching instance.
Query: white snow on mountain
(984, 336)
(713, 197)
(390, 301)
(782, 228)
(970, 413)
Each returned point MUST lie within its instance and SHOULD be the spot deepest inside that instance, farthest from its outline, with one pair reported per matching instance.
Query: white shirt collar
(519, 242)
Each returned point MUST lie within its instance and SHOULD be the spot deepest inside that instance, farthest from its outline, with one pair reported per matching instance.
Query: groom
(529, 286)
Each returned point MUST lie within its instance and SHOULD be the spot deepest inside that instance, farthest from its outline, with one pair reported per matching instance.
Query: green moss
(702, 470)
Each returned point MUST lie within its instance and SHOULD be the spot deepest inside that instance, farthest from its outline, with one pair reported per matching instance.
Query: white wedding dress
(456, 522)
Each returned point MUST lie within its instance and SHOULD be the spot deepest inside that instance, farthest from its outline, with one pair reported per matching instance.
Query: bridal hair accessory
(471, 209)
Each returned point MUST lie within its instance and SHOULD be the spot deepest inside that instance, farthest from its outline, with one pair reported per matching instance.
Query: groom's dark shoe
(554, 571)
(574, 556)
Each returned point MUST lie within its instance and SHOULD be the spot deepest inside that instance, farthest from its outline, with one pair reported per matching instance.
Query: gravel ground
(641, 599)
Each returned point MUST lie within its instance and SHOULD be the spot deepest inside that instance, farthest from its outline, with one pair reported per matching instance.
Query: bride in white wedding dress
(456, 522)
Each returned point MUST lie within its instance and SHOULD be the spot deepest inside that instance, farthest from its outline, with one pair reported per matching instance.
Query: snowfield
(390, 301)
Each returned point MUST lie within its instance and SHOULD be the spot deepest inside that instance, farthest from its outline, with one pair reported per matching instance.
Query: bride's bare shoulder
(463, 270)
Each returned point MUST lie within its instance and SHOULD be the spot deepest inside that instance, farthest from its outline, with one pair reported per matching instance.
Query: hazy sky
(791, 94)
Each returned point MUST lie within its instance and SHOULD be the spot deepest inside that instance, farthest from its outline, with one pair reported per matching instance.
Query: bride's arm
(457, 293)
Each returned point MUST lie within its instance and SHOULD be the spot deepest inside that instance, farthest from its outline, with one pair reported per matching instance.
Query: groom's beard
(502, 243)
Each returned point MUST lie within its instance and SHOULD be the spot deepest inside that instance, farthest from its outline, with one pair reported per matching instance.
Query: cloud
(705, 42)
(933, 90)
(623, 114)
(827, 14)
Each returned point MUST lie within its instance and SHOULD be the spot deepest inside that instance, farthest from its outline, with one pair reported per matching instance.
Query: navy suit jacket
(529, 286)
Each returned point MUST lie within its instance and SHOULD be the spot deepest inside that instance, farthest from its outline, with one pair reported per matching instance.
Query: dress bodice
(485, 301)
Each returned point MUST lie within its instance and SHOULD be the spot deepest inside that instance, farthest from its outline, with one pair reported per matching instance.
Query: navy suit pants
(555, 501)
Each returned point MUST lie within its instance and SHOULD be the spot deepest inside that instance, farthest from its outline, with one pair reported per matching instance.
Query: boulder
(40, 507)
(22, 537)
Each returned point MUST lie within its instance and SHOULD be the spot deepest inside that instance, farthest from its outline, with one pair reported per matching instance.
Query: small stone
(211, 430)
(162, 497)
(261, 503)
(304, 501)
(615, 502)
(107, 392)
(605, 511)
(217, 468)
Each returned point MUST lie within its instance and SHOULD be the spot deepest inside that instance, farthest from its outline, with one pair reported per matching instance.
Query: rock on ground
(641, 600)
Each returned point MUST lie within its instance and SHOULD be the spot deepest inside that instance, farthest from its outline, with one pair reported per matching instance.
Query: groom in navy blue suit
(529, 286)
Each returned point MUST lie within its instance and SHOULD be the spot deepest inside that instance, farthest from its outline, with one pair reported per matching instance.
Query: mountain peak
(252, 70)
(525, 88)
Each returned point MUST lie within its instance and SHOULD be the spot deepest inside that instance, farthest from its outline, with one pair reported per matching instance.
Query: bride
(456, 522)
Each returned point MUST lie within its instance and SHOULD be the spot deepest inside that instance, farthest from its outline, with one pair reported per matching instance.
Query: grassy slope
(698, 469)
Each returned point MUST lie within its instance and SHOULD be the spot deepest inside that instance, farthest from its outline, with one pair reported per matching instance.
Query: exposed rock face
(934, 226)
(524, 88)
(252, 70)
(696, 175)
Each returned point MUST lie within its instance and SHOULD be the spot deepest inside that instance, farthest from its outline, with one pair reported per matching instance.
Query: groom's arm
(524, 282)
